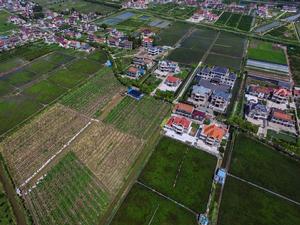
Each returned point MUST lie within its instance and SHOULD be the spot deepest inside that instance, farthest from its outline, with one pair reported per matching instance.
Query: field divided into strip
(193, 48)
(30, 147)
(95, 94)
(140, 118)
(274, 173)
(69, 194)
(42, 81)
(180, 172)
(235, 21)
(247, 205)
(108, 153)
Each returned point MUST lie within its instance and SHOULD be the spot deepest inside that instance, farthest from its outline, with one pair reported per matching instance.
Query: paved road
(264, 189)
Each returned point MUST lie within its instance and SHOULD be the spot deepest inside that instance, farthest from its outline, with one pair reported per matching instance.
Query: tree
(104, 26)
(37, 12)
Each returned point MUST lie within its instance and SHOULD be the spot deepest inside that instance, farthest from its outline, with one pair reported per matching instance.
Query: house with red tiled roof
(172, 81)
(179, 124)
(147, 42)
(183, 109)
(282, 118)
(281, 96)
(212, 134)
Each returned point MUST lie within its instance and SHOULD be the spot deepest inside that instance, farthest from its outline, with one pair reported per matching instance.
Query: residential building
(172, 81)
(212, 134)
(179, 124)
(259, 91)
(281, 96)
(282, 118)
(257, 111)
(184, 109)
(219, 101)
(147, 42)
(218, 75)
(168, 66)
(200, 95)
(134, 72)
(153, 51)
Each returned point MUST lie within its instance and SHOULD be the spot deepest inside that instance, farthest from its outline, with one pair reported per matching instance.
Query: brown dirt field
(30, 147)
(108, 153)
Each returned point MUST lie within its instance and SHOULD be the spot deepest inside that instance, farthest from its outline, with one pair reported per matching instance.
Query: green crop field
(245, 23)
(5, 25)
(6, 214)
(227, 51)
(140, 118)
(194, 47)
(263, 166)
(44, 91)
(142, 206)
(15, 109)
(266, 51)
(10, 64)
(234, 20)
(247, 205)
(180, 172)
(69, 194)
(43, 80)
(79, 5)
(284, 32)
(294, 58)
(169, 36)
(223, 18)
(95, 94)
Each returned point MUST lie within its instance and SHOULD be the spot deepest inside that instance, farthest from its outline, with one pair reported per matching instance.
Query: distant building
(179, 124)
(282, 118)
(168, 66)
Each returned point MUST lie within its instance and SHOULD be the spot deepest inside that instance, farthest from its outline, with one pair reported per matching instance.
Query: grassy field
(234, 20)
(6, 214)
(223, 18)
(31, 146)
(144, 207)
(261, 165)
(180, 172)
(69, 194)
(245, 23)
(95, 94)
(284, 32)
(266, 51)
(247, 205)
(5, 25)
(194, 47)
(140, 118)
(172, 34)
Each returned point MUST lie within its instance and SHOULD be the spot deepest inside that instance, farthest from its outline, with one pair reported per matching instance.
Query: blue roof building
(220, 176)
(134, 93)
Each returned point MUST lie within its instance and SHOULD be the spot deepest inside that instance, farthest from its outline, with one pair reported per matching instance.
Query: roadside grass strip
(263, 166)
(68, 194)
(245, 204)
(181, 172)
(143, 206)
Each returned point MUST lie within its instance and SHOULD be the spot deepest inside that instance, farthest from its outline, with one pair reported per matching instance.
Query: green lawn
(10, 64)
(84, 66)
(191, 186)
(246, 205)
(142, 207)
(266, 51)
(20, 77)
(261, 165)
(5, 88)
(44, 91)
(41, 66)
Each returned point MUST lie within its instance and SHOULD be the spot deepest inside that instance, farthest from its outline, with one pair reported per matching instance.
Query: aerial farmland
(149, 112)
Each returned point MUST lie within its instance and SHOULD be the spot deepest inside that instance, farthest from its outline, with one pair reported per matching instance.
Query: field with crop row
(140, 118)
(107, 152)
(30, 147)
(235, 21)
(6, 214)
(69, 194)
(95, 94)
